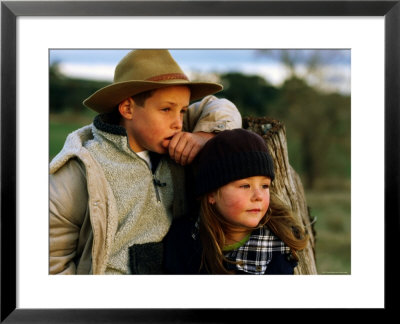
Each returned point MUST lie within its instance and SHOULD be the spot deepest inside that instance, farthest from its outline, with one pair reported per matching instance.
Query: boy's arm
(68, 204)
(203, 119)
(211, 115)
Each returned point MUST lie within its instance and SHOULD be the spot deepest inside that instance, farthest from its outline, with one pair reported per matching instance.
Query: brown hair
(140, 98)
(114, 116)
(213, 231)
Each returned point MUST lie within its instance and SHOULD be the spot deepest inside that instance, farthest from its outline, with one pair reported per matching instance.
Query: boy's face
(153, 125)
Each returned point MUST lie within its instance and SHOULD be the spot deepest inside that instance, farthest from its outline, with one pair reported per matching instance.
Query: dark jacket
(182, 252)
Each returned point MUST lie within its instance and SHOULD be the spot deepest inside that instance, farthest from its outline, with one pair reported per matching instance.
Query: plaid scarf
(254, 256)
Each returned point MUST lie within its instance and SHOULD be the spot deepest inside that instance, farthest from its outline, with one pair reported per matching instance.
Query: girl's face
(243, 202)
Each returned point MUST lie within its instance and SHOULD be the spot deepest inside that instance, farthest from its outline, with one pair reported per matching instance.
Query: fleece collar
(105, 123)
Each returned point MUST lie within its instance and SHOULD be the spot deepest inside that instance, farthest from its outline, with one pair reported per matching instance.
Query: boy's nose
(177, 123)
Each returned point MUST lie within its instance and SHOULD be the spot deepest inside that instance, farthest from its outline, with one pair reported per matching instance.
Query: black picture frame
(10, 10)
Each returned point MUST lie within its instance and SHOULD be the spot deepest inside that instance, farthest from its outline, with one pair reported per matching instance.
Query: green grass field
(60, 126)
(330, 206)
(333, 229)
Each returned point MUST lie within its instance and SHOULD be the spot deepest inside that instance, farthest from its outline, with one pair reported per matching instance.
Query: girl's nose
(257, 194)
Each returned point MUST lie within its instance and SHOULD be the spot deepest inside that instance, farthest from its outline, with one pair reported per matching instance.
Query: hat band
(169, 76)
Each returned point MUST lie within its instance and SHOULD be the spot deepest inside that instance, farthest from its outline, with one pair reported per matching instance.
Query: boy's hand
(184, 146)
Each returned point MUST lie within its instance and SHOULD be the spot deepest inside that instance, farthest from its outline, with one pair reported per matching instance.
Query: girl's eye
(265, 186)
(245, 186)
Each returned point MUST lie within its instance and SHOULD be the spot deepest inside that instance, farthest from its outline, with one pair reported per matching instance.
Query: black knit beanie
(231, 155)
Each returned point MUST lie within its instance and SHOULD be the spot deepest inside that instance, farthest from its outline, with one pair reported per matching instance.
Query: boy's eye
(166, 109)
(183, 111)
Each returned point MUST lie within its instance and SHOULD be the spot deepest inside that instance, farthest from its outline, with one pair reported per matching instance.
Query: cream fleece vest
(144, 209)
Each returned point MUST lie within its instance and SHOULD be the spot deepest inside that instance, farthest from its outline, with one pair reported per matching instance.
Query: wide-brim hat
(144, 70)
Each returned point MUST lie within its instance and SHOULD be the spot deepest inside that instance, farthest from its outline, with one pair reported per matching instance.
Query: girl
(243, 228)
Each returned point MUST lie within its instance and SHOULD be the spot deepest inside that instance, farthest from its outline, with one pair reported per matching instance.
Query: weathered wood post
(287, 184)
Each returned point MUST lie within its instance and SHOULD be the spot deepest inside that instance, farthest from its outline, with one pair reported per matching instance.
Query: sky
(100, 64)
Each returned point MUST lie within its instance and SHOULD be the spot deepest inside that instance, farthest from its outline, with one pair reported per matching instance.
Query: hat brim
(105, 99)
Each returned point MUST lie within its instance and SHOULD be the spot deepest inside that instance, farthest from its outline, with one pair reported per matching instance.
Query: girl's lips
(254, 210)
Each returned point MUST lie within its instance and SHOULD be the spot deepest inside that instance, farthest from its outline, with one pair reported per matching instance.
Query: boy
(113, 188)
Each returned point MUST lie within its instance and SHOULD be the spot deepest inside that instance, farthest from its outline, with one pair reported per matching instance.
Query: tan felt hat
(143, 70)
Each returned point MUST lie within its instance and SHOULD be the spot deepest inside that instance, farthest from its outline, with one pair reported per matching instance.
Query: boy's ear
(126, 108)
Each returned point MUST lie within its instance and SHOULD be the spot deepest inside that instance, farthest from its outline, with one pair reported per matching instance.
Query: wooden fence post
(287, 184)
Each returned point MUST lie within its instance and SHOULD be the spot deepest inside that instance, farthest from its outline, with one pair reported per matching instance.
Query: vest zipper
(157, 183)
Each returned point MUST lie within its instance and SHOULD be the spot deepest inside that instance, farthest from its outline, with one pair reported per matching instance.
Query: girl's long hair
(213, 230)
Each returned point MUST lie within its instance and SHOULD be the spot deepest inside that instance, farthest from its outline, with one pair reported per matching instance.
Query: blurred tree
(56, 89)
(317, 121)
(318, 128)
(251, 93)
(309, 64)
(68, 93)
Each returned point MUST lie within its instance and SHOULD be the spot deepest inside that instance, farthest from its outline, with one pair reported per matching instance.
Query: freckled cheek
(234, 205)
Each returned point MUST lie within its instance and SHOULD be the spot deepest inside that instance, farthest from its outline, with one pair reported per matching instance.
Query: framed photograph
(370, 29)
